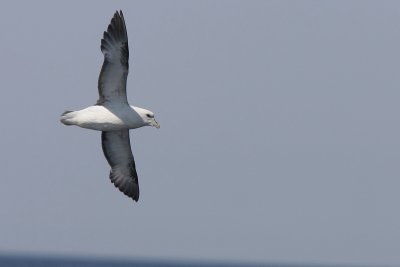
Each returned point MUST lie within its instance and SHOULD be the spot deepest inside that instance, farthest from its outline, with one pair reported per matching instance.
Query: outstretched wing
(117, 150)
(114, 72)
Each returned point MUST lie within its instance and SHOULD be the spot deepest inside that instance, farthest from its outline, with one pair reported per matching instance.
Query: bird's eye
(149, 116)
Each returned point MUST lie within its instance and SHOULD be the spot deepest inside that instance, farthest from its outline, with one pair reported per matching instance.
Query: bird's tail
(66, 117)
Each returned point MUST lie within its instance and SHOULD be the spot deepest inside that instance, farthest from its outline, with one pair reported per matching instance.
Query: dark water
(37, 261)
(30, 261)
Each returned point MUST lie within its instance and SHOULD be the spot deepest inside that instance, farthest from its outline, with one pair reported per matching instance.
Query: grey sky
(279, 136)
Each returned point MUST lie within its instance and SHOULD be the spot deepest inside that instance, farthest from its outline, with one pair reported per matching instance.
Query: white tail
(66, 118)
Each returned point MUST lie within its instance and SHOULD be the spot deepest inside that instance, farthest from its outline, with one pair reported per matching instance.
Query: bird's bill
(155, 123)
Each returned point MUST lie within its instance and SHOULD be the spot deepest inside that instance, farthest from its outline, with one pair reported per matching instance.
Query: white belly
(101, 118)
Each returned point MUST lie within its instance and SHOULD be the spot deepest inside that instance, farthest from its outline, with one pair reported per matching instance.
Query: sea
(41, 261)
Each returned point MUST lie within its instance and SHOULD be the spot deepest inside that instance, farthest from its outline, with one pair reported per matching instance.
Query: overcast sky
(279, 137)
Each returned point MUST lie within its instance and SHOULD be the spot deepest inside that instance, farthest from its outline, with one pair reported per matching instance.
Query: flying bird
(112, 114)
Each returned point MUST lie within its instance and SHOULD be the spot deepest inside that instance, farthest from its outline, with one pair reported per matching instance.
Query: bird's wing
(114, 72)
(117, 150)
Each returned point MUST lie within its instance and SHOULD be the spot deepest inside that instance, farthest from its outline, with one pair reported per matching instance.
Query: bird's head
(147, 117)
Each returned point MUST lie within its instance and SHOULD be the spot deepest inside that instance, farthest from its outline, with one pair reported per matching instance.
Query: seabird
(112, 114)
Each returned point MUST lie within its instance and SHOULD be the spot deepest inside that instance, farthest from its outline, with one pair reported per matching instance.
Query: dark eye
(149, 116)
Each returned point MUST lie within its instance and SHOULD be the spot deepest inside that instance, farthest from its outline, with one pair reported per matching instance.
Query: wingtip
(115, 38)
(132, 193)
(129, 187)
(134, 197)
(118, 13)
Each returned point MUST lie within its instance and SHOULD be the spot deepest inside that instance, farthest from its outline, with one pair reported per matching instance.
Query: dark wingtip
(132, 193)
(118, 14)
(129, 189)
(116, 34)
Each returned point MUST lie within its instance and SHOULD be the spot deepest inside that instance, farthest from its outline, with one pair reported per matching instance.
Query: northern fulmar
(112, 114)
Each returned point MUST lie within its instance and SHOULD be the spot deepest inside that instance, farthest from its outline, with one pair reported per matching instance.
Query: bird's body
(106, 117)
(112, 115)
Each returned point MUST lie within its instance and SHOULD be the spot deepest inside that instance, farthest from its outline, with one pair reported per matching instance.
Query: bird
(112, 114)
